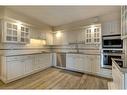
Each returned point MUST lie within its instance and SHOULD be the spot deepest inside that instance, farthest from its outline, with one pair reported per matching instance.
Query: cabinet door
(93, 34)
(38, 62)
(29, 64)
(79, 62)
(111, 27)
(97, 35)
(10, 32)
(87, 63)
(25, 34)
(46, 60)
(88, 35)
(42, 61)
(95, 64)
(70, 61)
(92, 63)
(15, 69)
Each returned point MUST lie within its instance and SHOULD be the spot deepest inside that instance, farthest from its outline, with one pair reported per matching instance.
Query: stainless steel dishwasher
(61, 60)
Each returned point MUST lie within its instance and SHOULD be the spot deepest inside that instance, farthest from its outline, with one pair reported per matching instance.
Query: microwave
(112, 41)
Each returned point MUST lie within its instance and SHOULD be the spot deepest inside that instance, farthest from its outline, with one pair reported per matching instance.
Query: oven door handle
(113, 54)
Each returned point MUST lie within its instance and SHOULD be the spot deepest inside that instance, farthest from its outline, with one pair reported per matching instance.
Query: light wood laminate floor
(53, 78)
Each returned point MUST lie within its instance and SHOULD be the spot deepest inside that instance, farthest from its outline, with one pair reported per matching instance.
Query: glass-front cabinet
(93, 34)
(25, 37)
(13, 32)
(88, 38)
(124, 22)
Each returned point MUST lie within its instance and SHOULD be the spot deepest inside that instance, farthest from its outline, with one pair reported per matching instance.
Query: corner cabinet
(124, 22)
(12, 32)
(93, 34)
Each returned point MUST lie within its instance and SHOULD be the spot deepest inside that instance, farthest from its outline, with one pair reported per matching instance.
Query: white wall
(2, 10)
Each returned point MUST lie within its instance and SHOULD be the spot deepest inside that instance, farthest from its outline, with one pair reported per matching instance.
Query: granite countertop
(122, 69)
(80, 52)
(43, 52)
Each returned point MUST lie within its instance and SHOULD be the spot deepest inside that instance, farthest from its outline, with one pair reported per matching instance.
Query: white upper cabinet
(111, 27)
(88, 35)
(124, 22)
(93, 34)
(10, 32)
(97, 35)
(13, 32)
(24, 34)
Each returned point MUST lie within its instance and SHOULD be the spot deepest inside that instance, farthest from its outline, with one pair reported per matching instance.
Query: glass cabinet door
(25, 34)
(92, 35)
(96, 35)
(14, 32)
(11, 34)
(88, 36)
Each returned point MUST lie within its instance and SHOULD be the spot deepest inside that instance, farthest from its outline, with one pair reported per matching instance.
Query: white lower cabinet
(38, 62)
(29, 64)
(79, 63)
(16, 67)
(87, 63)
(70, 61)
(92, 63)
(74, 62)
(42, 61)
(47, 59)
(95, 64)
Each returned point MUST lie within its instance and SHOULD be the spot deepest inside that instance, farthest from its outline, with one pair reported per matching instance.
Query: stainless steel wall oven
(107, 56)
(112, 41)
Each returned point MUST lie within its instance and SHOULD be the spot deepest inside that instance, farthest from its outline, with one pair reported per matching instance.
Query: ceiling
(59, 15)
